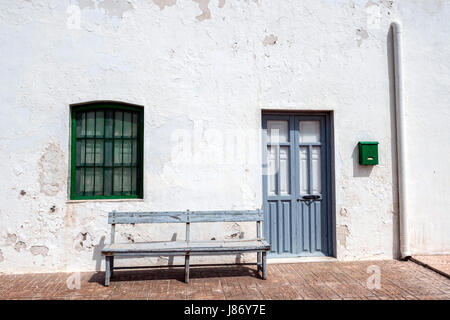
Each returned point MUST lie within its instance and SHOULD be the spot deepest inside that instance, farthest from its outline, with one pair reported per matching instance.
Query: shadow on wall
(360, 170)
(170, 261)
(97, 253)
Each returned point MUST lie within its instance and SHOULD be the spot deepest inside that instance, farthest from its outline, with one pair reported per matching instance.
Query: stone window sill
(104, 200)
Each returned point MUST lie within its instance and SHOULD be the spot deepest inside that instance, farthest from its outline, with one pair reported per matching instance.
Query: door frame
(329, 169)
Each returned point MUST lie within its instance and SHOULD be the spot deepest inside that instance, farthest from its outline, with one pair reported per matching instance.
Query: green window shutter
(107, 149)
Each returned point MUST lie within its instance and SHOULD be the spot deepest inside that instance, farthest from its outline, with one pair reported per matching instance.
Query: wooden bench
(187, 247)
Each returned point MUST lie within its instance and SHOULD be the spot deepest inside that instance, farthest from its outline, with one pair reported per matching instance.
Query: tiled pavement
(439, 263)
(324, 280)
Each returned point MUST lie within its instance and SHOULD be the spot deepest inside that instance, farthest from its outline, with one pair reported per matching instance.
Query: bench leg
(258, 261)
(264, 265)
(112, 266)
(107, 270)
(186, 268)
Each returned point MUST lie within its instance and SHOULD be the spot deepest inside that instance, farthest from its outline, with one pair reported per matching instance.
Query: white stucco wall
(203, 67)
(427, 101)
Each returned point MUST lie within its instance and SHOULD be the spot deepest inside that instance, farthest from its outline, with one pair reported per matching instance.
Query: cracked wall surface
(204, 69)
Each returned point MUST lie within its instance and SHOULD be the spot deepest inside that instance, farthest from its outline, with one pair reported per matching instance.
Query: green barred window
(107, 143)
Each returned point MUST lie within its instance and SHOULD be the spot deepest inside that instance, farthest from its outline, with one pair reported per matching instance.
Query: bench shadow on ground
(176, 273)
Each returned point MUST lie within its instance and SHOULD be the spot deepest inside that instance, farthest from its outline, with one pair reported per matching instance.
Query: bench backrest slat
(146, 217)
(225, 216)
(184, 216)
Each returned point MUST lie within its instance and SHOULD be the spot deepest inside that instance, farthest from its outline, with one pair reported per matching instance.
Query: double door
(296, 185)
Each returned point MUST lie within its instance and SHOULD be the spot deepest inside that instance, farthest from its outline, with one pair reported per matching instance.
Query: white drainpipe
(401, 145)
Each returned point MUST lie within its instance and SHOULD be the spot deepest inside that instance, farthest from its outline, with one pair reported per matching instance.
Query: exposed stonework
(11, 239)
(387, 3)
(129, 237)
(116, 7)
(433, 6)
(270, 40)
(342, 234)
(70, 218)
(111, 7)
(86, 4)
(84, 241)
(234, 232)
(52, 170)
(363, 34)
(370, 3)
(20, 245)
(119, 7)
(343, 212)
(164, 3)
(204, 6)
(39, 250)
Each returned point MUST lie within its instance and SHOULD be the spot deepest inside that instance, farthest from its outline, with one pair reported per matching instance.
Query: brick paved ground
(327, 280)
(439, 263)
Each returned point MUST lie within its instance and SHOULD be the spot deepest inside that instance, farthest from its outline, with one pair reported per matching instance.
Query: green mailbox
(368, 152)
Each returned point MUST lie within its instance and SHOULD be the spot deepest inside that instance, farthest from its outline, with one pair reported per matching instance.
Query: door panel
(295, 185)
(284, 170)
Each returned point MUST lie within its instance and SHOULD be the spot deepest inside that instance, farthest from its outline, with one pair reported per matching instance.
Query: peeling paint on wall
(86, 4)
(1, 256)
(342, 234)
(270, 40)
(343, 212)
(11, 239)
(234, 232)
(84, 241)
(164, 3)
(129, 237)
(119, 7)
(20, 245)
(52, 170)
(116, 7)
(111, 7)
(374, 15)
(432, 7)
(362, 34)
(70, 217)
(370, 3)
(39, 250)
(387, 3)
(206, 13)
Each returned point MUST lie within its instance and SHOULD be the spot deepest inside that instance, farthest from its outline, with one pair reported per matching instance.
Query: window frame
(108, 105)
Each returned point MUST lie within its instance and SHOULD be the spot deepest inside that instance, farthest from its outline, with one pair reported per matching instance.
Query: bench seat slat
(183, 246)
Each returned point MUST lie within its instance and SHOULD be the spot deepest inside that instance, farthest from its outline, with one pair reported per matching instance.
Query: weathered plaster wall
(427, 100)
(205, 69)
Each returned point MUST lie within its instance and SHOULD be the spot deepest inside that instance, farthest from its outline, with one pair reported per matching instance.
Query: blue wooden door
(296, 185)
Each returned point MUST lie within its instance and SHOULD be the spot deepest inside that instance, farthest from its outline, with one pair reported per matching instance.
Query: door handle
(311, 197)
